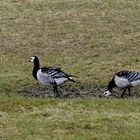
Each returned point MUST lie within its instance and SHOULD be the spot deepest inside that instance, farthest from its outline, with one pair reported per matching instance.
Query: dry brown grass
(92, 39)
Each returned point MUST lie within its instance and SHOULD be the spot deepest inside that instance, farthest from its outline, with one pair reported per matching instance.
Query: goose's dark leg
(129, 91)
(123, 92)
(55, 90)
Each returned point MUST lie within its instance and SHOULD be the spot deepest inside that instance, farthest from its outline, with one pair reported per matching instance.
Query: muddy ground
(66, 92)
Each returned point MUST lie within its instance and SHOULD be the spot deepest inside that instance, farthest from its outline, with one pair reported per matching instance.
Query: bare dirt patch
(85, 92)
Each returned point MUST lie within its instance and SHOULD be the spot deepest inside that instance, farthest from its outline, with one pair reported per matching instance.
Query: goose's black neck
(36, 67)
(111, 85)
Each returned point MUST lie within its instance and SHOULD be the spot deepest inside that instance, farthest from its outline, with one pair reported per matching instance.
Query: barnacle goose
(53, 76)
(123, 80)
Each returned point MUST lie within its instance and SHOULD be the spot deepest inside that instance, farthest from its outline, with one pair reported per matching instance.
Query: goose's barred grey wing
(130, 75)
(133, 76)
(55, 72)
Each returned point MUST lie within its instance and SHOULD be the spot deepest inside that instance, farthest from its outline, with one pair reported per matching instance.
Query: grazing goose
(53, 76)
(123, 80)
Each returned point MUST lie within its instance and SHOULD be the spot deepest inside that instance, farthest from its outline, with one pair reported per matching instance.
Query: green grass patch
(24, 118)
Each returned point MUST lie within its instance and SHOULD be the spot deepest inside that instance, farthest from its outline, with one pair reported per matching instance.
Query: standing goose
(53, 76)
(123, 80)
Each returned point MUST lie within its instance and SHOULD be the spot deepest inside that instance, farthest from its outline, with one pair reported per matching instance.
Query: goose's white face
(106, 93)
(32, 59)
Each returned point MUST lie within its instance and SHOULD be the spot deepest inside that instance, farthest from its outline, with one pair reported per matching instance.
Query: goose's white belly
(121, 82)
(44, 78)
(135, 83)
(60, 81)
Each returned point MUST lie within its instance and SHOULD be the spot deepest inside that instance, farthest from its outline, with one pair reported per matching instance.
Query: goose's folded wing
(55, 72)
(133, 76)
(130, 75)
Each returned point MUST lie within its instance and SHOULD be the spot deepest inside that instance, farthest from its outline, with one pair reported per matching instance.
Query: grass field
(91, 39)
